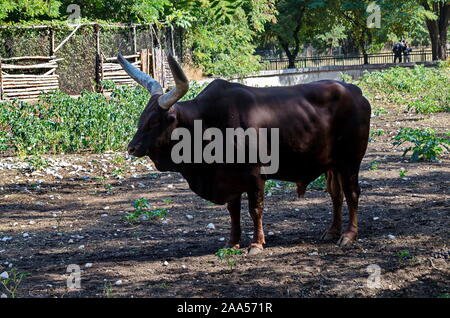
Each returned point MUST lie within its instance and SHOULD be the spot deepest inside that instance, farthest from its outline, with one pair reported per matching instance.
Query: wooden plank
(108, 74)
(32, 67)
(20, 58)
(51, 71)
(25, 76)
(109, 59)
(28, 92)
(1, 80)
(26, 84)
(67, 39)
(12, 82)
(144, 61)
(52, 41)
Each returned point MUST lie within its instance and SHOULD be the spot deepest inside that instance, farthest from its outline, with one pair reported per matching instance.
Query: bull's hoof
(255, 249)
(347, 239)
(233, 246)
(330, 235)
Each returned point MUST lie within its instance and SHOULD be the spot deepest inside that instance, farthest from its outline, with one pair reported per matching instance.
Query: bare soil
(72, 213)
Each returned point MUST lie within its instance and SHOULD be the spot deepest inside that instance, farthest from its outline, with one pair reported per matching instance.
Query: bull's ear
(171, 117)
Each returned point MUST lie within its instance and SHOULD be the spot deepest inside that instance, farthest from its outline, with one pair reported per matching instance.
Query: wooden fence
(153, 62)
(27, 77)
(343, 60)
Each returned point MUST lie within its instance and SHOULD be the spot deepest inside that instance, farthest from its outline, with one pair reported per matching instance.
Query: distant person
(398, 50)
(407, 53)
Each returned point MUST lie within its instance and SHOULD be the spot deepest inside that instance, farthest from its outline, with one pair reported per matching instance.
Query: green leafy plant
(421, 89)
(143, 211)
(229, 256)
(37, 162)
(271, 186)
(319, 184)
(59, 123)
(405, 256)
(379, 111)
(403, 173)
(11, 284)
(374, 165)
(427, 146)
(108, 290)
(375, 133)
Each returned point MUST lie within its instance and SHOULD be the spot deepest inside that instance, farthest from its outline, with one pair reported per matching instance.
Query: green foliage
(299, 22)
(228, 255)
(403, 173)
(319, 184)
(375, 133)
(405, 256)
(11, 284)
(424, 90)
(143, 211)
(18, 10)
(278, 187)
(37, 162)
(427, 146)
(195, 88)
(223, 49)
(379, 111)
(59, 123)
(374, 165)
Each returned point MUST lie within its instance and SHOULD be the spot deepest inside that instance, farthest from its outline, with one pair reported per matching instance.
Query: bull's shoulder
(217, 88)
(323, 92)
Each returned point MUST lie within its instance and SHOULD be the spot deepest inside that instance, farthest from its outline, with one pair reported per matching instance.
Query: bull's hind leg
(256, 208)
(234, 207)
(334, 188)
(352, 192)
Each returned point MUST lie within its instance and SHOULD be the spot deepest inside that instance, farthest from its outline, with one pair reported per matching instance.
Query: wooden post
(152, 52)
(98, 59)
(52, 42)
(134, 39)
(1, 80)
(145, 61)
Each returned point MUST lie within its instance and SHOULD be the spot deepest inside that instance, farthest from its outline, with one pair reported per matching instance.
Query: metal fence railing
(343, 60)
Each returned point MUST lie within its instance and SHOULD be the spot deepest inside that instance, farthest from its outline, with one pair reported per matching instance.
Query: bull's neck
(186, 113)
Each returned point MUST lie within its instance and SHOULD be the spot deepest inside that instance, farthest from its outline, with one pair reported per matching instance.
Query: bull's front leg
(234, 207)
(256, 209)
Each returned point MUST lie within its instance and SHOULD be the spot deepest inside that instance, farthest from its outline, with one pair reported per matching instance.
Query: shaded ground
(73, 215)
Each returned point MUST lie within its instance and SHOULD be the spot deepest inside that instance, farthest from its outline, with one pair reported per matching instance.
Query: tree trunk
(438, 29)
(366, 58)
(292, 56)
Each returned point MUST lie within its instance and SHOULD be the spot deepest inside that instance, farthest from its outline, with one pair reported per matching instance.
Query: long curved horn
(181, 85)
(143, 79)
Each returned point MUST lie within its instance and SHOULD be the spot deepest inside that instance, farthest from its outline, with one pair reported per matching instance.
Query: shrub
(427, 145)
(423, 90)
(59, 123)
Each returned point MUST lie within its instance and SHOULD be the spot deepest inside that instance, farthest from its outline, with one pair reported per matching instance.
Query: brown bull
(323, 128)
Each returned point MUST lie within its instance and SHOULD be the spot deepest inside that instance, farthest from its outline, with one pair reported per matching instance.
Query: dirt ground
(71, 212)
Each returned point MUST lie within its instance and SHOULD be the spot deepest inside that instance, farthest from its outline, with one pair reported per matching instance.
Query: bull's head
(157, 121)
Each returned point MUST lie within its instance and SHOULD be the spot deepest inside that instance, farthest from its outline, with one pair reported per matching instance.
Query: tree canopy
(223, 34)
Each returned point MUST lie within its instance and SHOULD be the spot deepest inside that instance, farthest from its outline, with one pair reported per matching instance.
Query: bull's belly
(221, 183)
(218, 185)
(296, 167)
